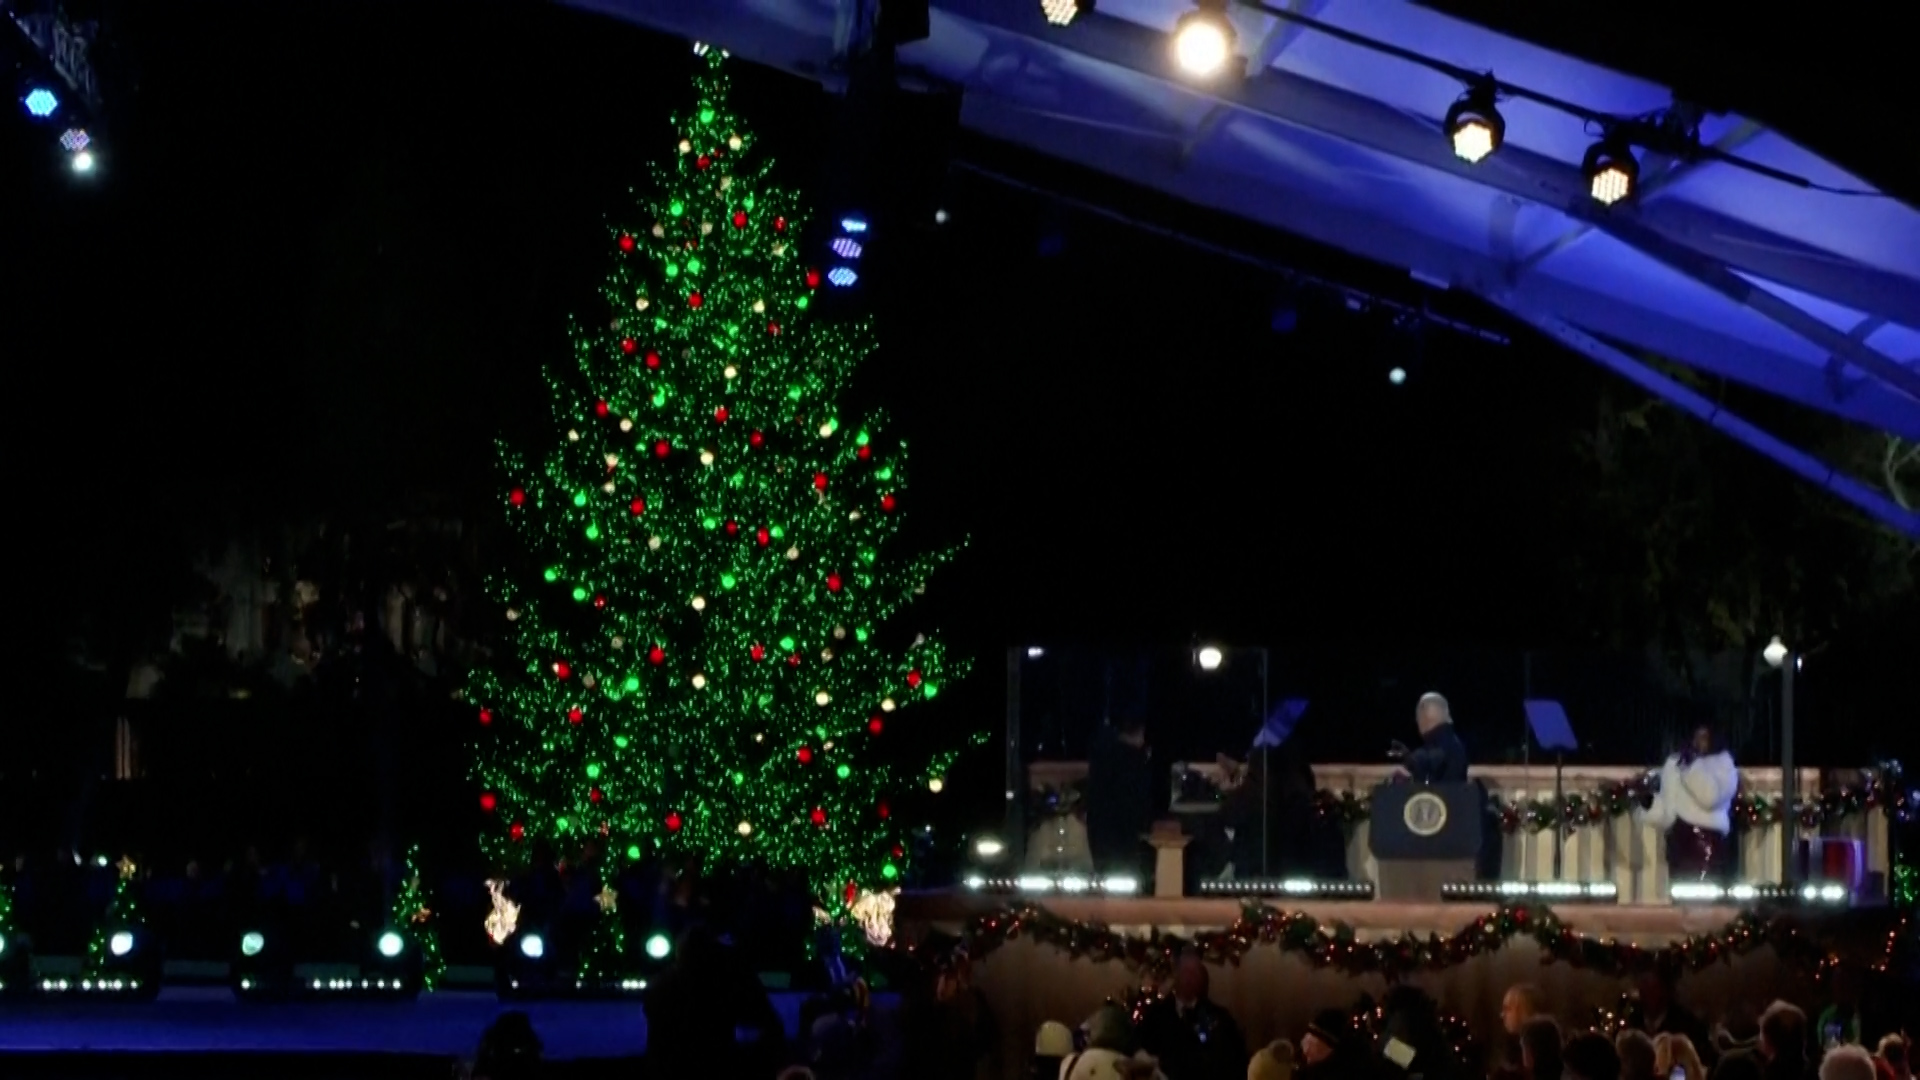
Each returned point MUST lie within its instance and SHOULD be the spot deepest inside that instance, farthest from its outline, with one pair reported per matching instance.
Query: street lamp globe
(1775, 653)
(1209, 657)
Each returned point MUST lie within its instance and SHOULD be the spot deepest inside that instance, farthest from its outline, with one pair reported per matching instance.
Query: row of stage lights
(1203, 46)
(1552, 892)
(45, 105)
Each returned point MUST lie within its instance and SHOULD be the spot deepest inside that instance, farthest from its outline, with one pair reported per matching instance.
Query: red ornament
(818, 817)
(806, 756)
(773, 328)
(762, 535)
(864, 453)
(833, 582)
(887, 503)
(779, 224)
(600, 600)
(794, 660)
(599, 408)
(885, 810)
(702, 161)
(739, 219)
(653, 360)
(756, 440)
(673, 821)
(626, 242)
(850, 892)
(898, 851)
(819, 481)
(733, 528)
(593, 795)
(913, 679)
(518, 832)
(662, 448)
(488, 802)
(561, 669)
(518, 496)
(720, 414)
(694, 300)
(876, 726)
(758, 651)
(628, 345)
(486, 717)
(656, 656)
(638, 506)
(813, 278)
(574, 715)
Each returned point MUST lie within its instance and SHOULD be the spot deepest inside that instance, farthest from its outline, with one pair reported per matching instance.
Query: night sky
(329, 251)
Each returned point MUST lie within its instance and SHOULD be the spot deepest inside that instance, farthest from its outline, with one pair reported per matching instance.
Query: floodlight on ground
(533, 946)
(1398, 376)
(1209, 657)
(390, 944)
(121, 943)
(252, 942)
(1203, 40)
(1063, 12)
(1474, 126)
(658, 946)
(1611, 170)
(82, 162)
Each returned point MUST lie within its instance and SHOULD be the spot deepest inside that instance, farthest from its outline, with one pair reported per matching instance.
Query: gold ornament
(659, 230)
(608, 900)
(759, 307)
(423, 914)
(733, 142)
(706, 227)
(126, 867)
(780, 248)
(686, 147)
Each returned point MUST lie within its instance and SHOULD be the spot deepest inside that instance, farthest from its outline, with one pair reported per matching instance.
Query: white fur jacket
(1700, 793)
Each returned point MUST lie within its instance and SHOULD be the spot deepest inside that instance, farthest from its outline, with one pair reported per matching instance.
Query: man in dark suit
(1120, 797)
(1442, 757)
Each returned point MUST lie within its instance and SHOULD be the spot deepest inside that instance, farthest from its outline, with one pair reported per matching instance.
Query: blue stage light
(853, 224)
(842, 276)
(252, 942)
(846, 249)
(41, 102)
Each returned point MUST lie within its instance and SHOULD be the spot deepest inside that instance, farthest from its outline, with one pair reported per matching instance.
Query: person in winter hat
(1109, 1054)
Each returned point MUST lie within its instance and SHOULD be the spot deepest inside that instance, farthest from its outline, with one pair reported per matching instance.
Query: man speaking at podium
(1442, 757)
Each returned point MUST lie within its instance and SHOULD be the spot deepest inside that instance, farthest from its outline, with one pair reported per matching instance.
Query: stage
(1273, 992)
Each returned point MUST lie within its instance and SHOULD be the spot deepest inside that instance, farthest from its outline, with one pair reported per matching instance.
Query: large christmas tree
(703, 658)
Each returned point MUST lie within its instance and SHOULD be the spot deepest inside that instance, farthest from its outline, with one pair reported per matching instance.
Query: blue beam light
(846, 249)
(842, 276)
(41, 102)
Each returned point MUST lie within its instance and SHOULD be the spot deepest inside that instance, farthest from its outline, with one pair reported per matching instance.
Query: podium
(1424, 836)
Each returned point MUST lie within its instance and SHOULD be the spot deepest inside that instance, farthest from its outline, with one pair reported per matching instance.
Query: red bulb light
(739, 219)
(913, 679)
(626, 242)
(599, 408)
(887, 503)
(594, 795)
(758, 651)
(488, 802)
(733, 528)
(762, 536)
(574, 715)
(694, 300)
(773, 328)
(628, 345)
(876, 726)
(806, 756)
(702, 161)
(638, 506)
(673, 822)
(561, 669)
(818, 817)
(756, 440)
(518, 832)
(653, 360)
(720, 414)
(794, 660)
(518, 496)
(819, 481)
(486, 717)
(833, 582)
(813, 278)
(779, 224)
(885, 810)
(656, 656)
(864, 453)
(600, 600)
(662, 448)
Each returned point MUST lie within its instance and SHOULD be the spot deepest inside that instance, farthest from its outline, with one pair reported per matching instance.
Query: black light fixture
(1611, 170)
(1474, 125)
(1063, 12)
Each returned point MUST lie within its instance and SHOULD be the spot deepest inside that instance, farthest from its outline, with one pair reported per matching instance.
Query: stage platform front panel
(1273, 994)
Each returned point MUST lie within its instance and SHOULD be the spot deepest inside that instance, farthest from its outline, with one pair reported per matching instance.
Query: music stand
(1551, 729)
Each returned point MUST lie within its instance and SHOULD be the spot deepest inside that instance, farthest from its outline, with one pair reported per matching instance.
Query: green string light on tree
(699, 660)
(123, 916)
(413, 915)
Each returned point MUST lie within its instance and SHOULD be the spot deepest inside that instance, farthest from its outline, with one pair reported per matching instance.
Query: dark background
(330, 247)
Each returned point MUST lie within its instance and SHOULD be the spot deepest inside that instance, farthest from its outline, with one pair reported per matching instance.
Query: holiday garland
(1366, 1022)
(1334, 944)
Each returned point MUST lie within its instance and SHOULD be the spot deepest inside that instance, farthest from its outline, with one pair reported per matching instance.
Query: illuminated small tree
(413, 916)
(702, 661)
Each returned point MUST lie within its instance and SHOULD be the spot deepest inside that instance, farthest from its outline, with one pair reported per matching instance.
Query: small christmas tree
(123, 916)
(414, 917)
(702, 661)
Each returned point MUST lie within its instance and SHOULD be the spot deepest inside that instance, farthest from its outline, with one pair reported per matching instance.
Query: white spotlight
(1775, 653)
(532, 947)
(121, 943)
(391, 944)
(1203, 42)
(1210, 658)
(1398, 376)
(83, 161)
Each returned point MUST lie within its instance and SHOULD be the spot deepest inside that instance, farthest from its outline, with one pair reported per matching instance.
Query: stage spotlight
(41, 102)
(847, 246)
(121, 943)
(82, 162)
(1063, 12)
(1554, 892)
(1209, 658)
(658, 946)
(1611, 170)
(1070, 884)
(1475, 126)
(252, 942)
(1203, 40)
(390, 944)
(533, 946)
(1295, 887)
(988, 849)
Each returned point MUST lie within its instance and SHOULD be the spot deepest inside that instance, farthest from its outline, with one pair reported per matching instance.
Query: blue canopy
(1809, 294)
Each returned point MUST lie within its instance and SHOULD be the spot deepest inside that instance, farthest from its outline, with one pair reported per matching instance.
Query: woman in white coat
(1694, 805)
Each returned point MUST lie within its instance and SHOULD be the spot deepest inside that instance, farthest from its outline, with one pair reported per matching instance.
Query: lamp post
(1778, 656)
